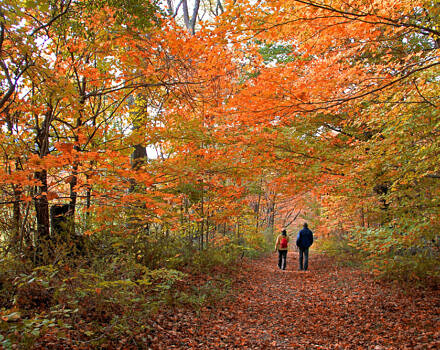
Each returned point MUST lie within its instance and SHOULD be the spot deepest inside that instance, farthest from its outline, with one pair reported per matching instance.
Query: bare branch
(219, 7)
(53, 19)
(170, 7)
(423, 97)
(293, 220)
(360, 16)
(12, 84)
(139, 85)
(2, 36)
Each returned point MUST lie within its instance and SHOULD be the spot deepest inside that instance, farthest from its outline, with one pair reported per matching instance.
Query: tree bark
(16, 210)
(16, 218)
(190, 23)
(43, 251)
(271, 214)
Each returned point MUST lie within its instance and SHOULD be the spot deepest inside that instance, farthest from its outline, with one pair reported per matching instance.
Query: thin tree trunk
(190, 23)
(73, 198)
(16, 217)
(74, 177)
(271, 214)
(24, 235)
(258, 213)
(43, 251)
(202, 228)
(207, 232)
(362, 217)
(88, 203)
(16, 212)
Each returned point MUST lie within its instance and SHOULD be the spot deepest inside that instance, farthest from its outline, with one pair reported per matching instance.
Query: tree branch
(420, 94)
(53, 19)
(361, 15)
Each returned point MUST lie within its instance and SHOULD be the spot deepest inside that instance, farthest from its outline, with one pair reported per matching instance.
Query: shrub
(388, 253)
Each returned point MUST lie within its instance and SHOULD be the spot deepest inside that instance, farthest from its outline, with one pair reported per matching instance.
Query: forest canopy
(213, 123)
(148, 148)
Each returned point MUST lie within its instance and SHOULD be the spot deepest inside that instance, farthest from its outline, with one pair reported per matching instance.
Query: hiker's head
(284, 232)
(306, 225)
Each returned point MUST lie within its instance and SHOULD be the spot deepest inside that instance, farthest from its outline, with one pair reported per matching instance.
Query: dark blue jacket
(305, 238)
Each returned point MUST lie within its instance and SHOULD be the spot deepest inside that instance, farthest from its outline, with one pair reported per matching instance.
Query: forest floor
(327, 307)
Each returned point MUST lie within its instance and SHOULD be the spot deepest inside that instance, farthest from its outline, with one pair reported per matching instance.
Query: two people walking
(303, 241)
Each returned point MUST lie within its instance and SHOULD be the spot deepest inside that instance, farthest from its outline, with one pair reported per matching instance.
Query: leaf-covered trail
(328, 307)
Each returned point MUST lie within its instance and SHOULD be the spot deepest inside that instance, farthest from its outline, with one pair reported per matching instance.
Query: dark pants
(303, 253)
(282, 257)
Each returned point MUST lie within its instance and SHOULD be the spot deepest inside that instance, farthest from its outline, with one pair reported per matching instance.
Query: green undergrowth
(339, 250)
(114, 296)
(388, 254)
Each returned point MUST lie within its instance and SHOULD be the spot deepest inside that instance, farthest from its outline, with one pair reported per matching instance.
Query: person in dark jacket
(303, 242)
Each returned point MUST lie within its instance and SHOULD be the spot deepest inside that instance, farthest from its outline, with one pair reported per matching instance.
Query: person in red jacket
(282, 246)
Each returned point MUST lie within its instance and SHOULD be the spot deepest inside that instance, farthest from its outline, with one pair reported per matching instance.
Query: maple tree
(82, 139)
(64, 102)
(335, 95)
(140, 137)
(305, 97)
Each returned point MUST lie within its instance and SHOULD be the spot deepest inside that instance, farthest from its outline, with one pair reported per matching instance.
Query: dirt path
(327, 307)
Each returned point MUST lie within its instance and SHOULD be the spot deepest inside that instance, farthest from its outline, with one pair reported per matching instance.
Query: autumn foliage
(177, 135)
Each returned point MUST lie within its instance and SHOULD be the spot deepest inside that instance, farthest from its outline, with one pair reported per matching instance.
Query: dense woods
(143, 142)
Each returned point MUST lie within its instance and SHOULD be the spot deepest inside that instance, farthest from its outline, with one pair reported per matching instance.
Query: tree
(343, 114)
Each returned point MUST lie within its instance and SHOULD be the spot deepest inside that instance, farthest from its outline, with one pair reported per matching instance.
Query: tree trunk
(207, 232)
(271, 214)
(362, 217)
(73, 198)
(16, 242)
(138, 156)
(257, 209)
(16, 212)
(190, 23)
(88, 203)
(43, 251)
(202, 214)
